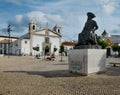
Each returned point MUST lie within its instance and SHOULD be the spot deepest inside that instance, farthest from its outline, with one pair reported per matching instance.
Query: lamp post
(9, 30)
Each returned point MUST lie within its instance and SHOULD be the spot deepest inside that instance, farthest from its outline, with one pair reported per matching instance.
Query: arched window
(58, 30)
(33, 27)
(47, 40)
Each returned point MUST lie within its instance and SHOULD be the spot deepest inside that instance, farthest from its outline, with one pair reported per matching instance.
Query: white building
(115, 38)
(111, 40)
(68, 45)
(5, 46)
(46, 39)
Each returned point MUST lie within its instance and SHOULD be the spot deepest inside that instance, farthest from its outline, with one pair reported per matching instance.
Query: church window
(33, 27)
(46, 40)
(5, 45)
(58, 30)
(25, 42)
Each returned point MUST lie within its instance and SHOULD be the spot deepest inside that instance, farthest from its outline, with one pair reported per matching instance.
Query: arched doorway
(47, 50)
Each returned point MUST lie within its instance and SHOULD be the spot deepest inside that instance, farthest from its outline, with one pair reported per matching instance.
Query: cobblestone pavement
(29, 76)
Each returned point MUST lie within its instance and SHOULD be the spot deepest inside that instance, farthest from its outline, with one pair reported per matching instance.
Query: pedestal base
(88, 47)
(86, 61)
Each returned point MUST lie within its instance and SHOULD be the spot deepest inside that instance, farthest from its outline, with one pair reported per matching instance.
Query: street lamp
(9, 31)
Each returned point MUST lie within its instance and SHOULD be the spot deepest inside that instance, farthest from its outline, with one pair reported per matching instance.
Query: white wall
(115, 38)
(2, 38)
(40, 32)
(25, 47)
(16, 47)
(52, 34)
(68, 47)
(3, 48)
(55, 42)
(37, 41)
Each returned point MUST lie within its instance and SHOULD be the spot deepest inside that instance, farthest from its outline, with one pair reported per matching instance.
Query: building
(111, 40)
(104, 35)
(5, 44)
(68, 45)
(44, 38)
(115, 39)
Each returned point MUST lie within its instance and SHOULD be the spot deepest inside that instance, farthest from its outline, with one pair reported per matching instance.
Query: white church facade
(44, 38)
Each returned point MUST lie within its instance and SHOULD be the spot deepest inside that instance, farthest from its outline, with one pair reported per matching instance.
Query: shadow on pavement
(48, 74)
(112, 71)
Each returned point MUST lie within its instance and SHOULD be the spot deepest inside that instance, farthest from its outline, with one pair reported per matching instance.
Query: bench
(115, 63)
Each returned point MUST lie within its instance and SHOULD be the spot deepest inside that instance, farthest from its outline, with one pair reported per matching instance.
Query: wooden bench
(115, 63)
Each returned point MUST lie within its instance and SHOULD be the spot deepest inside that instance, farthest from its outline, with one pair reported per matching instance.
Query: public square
(26, 75)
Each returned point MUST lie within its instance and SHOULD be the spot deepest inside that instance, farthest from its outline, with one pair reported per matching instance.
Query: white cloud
(18, 18)
(38, 16)
(108, 6)
(20, 21)
(55, 18)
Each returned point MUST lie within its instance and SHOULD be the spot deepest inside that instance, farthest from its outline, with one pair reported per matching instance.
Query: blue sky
(69, 14)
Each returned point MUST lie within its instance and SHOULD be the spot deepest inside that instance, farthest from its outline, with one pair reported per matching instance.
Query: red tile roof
(69, 43)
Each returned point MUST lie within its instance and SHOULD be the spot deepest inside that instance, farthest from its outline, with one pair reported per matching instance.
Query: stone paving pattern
(28, 76)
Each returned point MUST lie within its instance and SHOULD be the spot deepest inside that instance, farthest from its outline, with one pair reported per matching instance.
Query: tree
(61, 51)
(55, 49)
(116, 48)
(102, 43)
(36, 48)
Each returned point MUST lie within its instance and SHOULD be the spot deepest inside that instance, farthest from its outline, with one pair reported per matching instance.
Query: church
(44, 38)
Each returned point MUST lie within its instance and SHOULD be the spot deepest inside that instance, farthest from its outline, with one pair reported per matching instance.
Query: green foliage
(102, 43)
(116, 48)
(61, 49)
(55, 49)
(36, 48)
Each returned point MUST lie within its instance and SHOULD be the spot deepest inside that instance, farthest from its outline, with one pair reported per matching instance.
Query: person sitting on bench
(52, 57)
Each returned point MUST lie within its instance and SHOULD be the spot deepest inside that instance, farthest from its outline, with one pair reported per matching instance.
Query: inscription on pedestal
(77, 62)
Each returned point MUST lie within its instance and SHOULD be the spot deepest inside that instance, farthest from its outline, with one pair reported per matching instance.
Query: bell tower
(57, 28)
(32, 26)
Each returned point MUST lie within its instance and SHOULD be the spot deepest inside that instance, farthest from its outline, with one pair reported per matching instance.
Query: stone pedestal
(86, 61)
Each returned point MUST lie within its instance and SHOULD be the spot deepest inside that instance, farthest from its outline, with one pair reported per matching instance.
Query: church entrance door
(47, 50)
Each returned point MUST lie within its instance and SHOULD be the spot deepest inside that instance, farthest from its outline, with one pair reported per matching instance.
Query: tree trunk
(61, 56)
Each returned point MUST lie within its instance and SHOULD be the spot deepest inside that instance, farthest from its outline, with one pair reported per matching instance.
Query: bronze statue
(88, 36)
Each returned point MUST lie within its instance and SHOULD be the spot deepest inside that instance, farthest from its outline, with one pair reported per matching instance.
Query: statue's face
(89, 17)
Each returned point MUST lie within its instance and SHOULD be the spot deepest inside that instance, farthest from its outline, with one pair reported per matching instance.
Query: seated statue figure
(88, 36)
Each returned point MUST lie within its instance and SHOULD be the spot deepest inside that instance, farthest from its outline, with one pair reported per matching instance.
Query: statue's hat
(90, 14)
